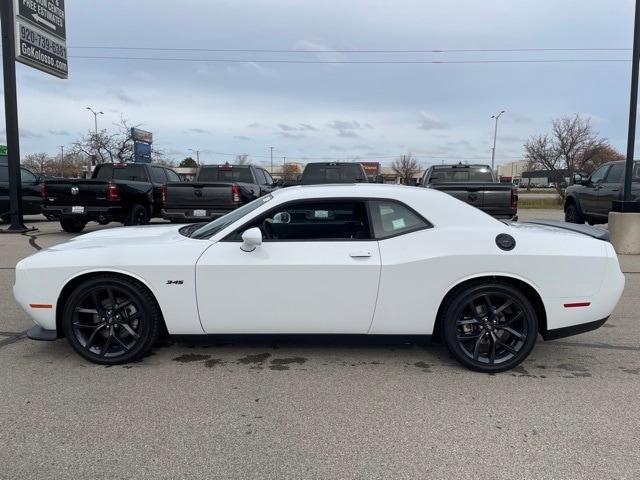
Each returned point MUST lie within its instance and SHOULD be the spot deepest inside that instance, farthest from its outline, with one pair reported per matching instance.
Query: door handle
(360, 254)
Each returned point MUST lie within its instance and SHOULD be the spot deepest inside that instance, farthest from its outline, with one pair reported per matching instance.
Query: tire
(572, 214)
(72, 225)
(5, 218)
(110, 335)
(137, 216)
(498, 335)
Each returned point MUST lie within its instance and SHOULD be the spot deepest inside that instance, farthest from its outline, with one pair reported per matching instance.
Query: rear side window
(391, 218)
(157, 175)
(172, 176)
(4, 173)
(260, 177)
(225, 174)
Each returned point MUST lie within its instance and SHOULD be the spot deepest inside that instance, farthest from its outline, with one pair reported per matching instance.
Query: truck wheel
(572, 215)
(137, 216)
(72, 225)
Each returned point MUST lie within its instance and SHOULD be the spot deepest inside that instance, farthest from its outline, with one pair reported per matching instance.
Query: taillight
(235, 193)
(514, 198)
(163, 191)
(44, 193)
(113, 193)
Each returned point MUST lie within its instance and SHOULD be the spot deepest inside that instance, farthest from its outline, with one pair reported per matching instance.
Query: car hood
(124, 237)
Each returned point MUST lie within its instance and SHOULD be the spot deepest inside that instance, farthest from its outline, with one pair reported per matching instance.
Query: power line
(364, 62)
(435, 50)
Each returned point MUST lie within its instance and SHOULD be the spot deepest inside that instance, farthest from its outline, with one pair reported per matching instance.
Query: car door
(31, 196)
(610, 189)
(317, 271)
(158, 179)
(588, 196)
(263, 183)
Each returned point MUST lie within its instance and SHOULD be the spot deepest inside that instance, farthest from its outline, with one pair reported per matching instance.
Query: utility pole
(197, 152)
(495, 136)
(11, 117)
(60, 171)
(271, 152)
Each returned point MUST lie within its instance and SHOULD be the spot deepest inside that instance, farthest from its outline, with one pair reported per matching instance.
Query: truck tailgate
(76, 192)
(196, 194)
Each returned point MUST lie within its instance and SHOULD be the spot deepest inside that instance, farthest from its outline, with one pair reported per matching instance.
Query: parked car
(31, 196)
(130, 193)
(475, 185)
(333, 172)
(590, 198)
(328, 259)
(216, 191)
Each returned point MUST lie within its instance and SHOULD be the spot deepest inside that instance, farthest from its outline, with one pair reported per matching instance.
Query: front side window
(268, 177)
(260, 177)
(391, 218)
(616, 173)
(599, 174)
(319, 220)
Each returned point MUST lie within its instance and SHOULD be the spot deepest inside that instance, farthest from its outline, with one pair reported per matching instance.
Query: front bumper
(38, 333)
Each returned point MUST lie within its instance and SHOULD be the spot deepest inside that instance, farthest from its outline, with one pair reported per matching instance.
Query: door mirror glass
(577, 179)
(251, 239)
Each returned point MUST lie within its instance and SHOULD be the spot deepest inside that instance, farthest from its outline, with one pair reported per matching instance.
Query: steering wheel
(267, 228)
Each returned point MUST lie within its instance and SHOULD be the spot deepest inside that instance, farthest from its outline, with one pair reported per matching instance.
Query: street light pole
(197, 152)
(95, 119)
(61, 160)
(495, 136)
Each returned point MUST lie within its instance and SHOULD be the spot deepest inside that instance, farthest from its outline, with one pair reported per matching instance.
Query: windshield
(223, 222)
(225, 174)
(477, 174)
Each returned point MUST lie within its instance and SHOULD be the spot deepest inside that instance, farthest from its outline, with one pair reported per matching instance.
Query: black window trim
(366, 200)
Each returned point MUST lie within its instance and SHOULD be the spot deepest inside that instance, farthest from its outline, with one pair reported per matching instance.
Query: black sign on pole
(11, 116)
(40, 35)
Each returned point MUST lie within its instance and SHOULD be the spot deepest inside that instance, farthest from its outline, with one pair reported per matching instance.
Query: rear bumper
(187, 214)
(111, 212)
(573, 330)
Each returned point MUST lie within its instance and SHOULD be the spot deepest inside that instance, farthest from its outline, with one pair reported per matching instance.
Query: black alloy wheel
(137, 216)
(490, 327)
(111, 319)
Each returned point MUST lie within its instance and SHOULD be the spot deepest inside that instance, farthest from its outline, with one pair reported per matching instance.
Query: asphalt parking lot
(314, 410)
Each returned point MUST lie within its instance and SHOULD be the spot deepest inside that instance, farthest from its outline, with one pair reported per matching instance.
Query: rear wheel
(72, 225)
(572, 214)
(111, 320)
(489, 327)
(137, 216)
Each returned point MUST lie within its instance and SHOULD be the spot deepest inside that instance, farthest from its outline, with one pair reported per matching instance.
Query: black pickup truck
(333, 172)
(130, 193)
(475, 185)
(590, 198)
(216, 190)
(31, 196)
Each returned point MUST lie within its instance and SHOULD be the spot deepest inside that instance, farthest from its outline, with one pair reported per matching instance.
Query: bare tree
(105, 147)
(571, 147)
(39, 163)
(406, 167)
(290, 172)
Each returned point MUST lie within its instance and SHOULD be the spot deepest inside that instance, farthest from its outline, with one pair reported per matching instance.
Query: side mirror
(251, 239)
(577, 179)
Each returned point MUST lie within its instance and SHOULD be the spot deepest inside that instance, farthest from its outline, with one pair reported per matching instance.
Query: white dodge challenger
(330, 259)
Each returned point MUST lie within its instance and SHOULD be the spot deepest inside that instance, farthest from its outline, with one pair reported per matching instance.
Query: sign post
(33, 33)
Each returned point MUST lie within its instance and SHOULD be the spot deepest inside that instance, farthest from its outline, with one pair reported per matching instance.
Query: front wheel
(489, 327)
(110, 320)
(72, 225)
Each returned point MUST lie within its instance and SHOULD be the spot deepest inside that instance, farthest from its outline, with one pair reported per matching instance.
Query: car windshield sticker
(398, 223)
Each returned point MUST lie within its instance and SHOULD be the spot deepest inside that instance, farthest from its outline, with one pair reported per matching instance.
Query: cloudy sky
(371, 111)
